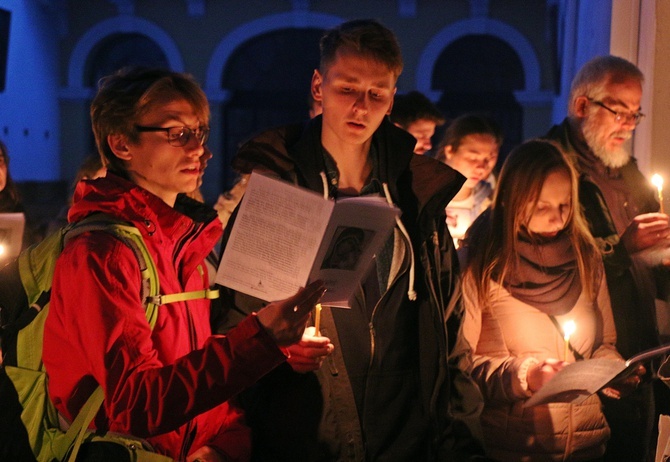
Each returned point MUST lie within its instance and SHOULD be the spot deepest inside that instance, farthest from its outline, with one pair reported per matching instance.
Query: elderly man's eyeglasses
(179, 136)
(619, 117)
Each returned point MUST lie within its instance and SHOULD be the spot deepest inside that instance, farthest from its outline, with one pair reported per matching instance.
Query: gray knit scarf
(546, 275)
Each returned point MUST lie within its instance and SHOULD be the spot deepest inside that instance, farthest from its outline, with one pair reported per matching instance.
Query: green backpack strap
(77, 430)
(132, 237)
(151, 296)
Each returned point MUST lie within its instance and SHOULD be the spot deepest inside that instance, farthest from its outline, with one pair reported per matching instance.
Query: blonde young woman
(531, 266)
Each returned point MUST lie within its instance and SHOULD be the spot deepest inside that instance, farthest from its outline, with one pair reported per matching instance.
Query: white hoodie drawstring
(324, 180)
(411, 293)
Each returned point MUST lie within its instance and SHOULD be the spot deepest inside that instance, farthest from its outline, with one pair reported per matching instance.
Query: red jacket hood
(172, 228)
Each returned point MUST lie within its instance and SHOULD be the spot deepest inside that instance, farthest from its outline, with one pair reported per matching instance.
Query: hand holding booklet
(577, 381)
(285, 236)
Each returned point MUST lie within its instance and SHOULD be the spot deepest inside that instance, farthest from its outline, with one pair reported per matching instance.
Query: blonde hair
(521, 179)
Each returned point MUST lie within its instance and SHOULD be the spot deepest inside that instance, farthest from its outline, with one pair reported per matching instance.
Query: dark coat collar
(294, 153)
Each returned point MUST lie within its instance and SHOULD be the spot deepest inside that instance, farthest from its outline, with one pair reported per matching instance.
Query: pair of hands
(645, 231)
(285, 321)
(540, 373)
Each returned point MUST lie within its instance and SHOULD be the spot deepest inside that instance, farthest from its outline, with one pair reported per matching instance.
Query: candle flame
(657, 180)
(568, 329)
(2, 249)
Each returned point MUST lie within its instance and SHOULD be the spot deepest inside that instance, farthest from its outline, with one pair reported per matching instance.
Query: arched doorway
(110, 54)
(479, 73)
(121, 50)
(268, 78)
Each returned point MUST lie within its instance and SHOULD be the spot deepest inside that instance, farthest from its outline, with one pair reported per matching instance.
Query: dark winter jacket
(608, 212)
(388, 391)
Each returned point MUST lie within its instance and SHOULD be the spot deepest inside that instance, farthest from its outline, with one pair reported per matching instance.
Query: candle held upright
(568, 329)
(657, 180)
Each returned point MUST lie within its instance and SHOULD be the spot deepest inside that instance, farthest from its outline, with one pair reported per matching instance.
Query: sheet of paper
(275, 238)
(663, 444)
(654, 255)
(577, 381)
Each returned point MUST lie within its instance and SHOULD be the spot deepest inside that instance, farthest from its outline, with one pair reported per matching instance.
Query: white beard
(612, 158)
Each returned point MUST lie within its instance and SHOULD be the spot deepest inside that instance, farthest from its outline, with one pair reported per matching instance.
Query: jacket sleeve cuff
(251, 328)
(250, 340)
(521, 385)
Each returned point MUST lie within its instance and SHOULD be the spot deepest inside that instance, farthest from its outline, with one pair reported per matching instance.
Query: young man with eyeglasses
(621, 207)
(170, 385)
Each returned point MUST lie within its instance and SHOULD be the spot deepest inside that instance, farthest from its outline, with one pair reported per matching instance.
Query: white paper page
(653, 256)
(663, 444)
(358, 229)
(275, 237)
(11, 235)
(577, 381)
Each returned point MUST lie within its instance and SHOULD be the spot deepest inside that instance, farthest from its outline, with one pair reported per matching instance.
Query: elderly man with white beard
(621, 208)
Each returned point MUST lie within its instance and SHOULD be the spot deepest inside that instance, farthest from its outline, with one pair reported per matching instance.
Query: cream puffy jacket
(500, 343)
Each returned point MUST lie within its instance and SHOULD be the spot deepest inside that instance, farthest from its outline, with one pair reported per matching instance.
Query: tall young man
(384, 392)
(169, 385)
(621, 208)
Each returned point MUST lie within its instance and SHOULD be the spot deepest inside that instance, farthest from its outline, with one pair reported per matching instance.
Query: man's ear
(579, 106)
(317, 80)
(448, 152)
(118, 143)
(392, 100)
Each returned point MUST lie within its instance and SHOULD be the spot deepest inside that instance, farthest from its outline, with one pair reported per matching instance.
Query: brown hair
(9, 196)
(414, 106)
(365, 37)
(125, 96)
(464, 125)
(521, 179)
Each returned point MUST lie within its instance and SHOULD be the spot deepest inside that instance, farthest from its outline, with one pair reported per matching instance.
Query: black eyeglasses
(619, 117)
(179, 136)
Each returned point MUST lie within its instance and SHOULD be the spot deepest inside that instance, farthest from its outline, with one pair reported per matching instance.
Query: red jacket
(169, 385)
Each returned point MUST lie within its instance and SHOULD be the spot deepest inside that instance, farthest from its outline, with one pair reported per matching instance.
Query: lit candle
(568, 329)
(2, 249)
(317, 319)
(657, 180)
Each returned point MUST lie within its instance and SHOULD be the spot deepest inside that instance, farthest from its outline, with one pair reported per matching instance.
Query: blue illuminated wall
(29, 115)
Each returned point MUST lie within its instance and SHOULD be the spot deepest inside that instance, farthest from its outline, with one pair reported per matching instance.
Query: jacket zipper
(191, 427)
(371, 326)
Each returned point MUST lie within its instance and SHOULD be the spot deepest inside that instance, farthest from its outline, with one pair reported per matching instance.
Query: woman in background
(9, 194)
(470, 145)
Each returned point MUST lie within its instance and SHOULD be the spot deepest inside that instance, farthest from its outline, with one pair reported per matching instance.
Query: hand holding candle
(657, 180)
(568, 329)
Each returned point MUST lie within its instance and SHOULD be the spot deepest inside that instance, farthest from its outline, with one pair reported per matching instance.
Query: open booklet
(11, 235)
(285, 236)
(577, 381)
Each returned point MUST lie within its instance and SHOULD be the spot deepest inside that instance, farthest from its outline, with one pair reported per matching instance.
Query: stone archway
(267, 80)
(120, 50)
(104, 56)
(481, 73)
(530, 98)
